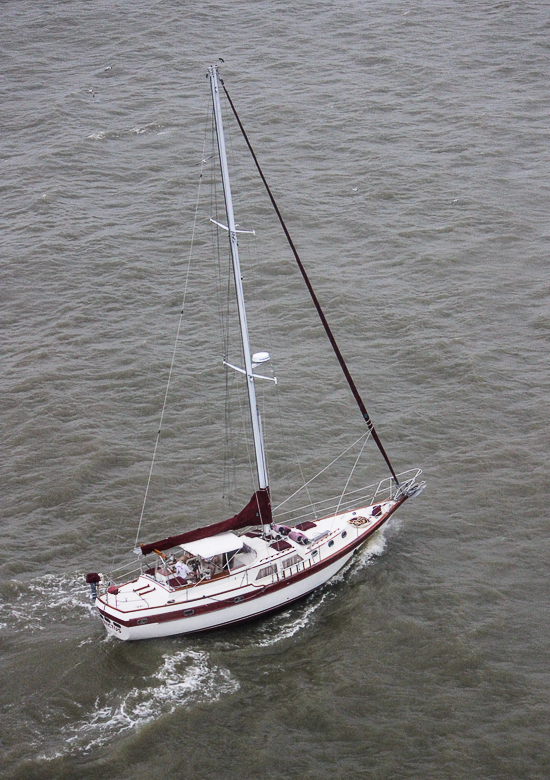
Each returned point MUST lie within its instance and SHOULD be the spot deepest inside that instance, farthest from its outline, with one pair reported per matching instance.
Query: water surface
(407, 146)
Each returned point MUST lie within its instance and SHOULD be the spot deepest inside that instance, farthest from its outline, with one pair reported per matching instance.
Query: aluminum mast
(255, 417)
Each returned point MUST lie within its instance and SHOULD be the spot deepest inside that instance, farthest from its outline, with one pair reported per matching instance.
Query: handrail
(368, 492)
(385, 489)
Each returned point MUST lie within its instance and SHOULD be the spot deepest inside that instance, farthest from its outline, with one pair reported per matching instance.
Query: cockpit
(204, 559)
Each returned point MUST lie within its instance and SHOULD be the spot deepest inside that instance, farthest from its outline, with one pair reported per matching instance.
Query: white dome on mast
(260, 357)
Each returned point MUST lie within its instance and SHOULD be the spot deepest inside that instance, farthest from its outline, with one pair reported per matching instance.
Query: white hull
(145, 608)
(231, 614)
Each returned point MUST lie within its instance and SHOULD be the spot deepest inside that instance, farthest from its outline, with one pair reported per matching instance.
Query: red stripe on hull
(263, 591)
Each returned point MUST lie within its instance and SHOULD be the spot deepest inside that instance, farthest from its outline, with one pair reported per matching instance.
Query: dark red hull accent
(223, 604)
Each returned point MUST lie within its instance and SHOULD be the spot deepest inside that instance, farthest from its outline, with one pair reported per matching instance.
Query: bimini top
(214, 545)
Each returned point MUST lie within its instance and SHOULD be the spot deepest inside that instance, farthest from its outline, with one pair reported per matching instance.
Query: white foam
(184, 678)
(148, 128)
(368, 552)
(151, 127)
(38, 603)
(285, 624)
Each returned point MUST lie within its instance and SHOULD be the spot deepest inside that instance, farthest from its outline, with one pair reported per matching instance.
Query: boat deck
(270, 560)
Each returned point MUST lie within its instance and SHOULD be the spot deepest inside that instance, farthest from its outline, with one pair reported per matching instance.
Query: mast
(254, 414)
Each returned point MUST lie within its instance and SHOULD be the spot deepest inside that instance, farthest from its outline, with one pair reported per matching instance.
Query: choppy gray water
(408, 145)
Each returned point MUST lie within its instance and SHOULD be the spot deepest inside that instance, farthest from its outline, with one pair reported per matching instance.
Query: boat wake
(186, 677)
(43, 602)
(285, 624)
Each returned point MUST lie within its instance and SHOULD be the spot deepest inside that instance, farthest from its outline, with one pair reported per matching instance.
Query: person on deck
(182, 569)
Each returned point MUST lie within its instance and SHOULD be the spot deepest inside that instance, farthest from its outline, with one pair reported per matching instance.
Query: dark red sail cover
(256, 512)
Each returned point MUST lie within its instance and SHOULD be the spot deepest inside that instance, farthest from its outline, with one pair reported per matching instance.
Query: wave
(110, 135)
(34, 605)
(365, 556)
(185, 677)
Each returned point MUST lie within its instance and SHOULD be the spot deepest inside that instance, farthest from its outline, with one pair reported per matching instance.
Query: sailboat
(248, 565)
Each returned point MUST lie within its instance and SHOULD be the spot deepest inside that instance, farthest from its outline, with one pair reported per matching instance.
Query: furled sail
(256, 512)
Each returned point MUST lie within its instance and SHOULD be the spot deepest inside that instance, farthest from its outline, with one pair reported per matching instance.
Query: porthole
(188, 612)
(142, 621)
(331, 543)
(344, 534)
(314, 552)
(237, 599)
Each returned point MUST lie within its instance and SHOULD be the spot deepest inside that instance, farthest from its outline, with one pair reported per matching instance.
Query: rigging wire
(225, 301)
(365, 436)
(157, 441)
(350, 476)
(306, 488)
(293, 454)
(237, 422)
(245, 428)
